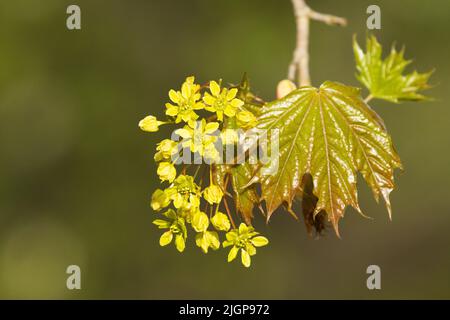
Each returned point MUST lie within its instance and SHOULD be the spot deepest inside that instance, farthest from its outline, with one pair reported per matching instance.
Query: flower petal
(243, 228)
(220, 115)
(184, 133)
(162, 224)
(200, 221)
(211, 127)
(250, 249)
(174, 96)
(233, 253)
(215, 88)
(237, 103)
(179, 242)
(245, 258)
(231, 94)
(230, 111)
(209, 99)
(171, 110)
(213, 239)
(198, 106)
(259, 241)
(166, 238)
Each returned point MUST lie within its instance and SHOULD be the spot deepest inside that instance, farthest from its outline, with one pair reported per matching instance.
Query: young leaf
(384, 78)
(331, 134)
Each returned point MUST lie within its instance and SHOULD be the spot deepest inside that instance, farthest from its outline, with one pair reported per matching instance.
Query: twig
(328, 19)
(300, 61)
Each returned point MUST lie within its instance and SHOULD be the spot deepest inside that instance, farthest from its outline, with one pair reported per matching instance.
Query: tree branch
(300, 62)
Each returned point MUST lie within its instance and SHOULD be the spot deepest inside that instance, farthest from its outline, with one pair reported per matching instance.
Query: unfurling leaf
(384, 78)
(331, 134)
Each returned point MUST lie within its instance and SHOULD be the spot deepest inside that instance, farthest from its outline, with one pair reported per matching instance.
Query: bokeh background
(76, 173)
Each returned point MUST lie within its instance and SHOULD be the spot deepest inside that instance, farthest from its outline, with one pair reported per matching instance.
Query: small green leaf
(384, 78)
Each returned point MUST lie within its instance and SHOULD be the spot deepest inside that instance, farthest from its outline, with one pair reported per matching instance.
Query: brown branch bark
(299, 66)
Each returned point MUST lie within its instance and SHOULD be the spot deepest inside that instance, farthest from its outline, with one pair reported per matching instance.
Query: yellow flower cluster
(180, 202)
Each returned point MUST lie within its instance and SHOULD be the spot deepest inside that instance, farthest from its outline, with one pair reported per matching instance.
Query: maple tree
(325, 136)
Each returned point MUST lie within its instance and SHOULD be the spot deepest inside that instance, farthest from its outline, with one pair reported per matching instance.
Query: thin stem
(229, 213)
(210, 175)
(327, 18)
(196, 171)
(368, 98)
(226, 203)
(300, 61)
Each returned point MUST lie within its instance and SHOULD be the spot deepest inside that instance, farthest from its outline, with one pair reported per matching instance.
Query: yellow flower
(199, 137)
(213, 194)
(246, 239)
(150, 124)
(206, 240)
(220, 221)
(200, 221)
(177, 229)
(185, 193)
(166, 171)
(246, 120)
(159, 200)
(165, 150)
(222, 101)
(186, 101)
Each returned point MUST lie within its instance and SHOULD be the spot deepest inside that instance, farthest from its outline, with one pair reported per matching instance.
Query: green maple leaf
(384, 78)
(331, 134)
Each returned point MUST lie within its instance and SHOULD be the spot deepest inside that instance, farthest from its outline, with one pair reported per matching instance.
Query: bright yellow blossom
(222, 101)
(206, 240)
(165, 150)
(213, 194)
(177, 229)
(150, 124)
(245, 238)
(221, 222)
(166, 171)
(200, 137)
(200, 221)
(185, 193)
(159, 200)
(186, 101)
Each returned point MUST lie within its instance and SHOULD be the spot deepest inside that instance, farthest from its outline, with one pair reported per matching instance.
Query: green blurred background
(76, 173)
